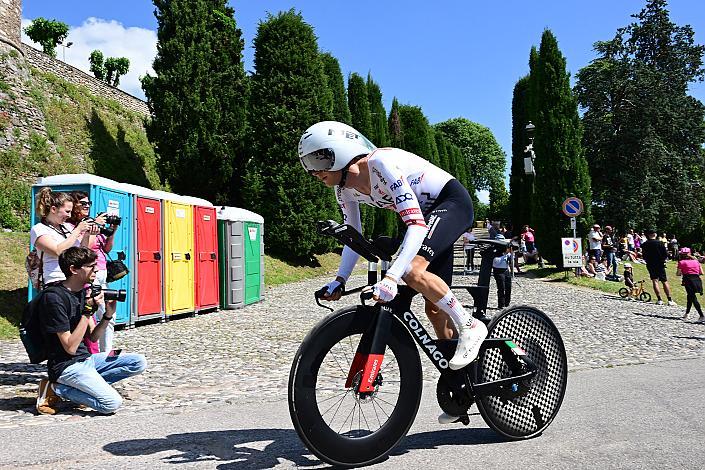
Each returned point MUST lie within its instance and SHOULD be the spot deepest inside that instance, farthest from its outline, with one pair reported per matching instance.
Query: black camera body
(110, 219)
(109, 294)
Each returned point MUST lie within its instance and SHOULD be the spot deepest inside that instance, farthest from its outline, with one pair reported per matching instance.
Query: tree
(499, 201)
(561, 169)
(331, 67)
(97, 66)
(47, 33)
(418, 136)
(360, 105)
(520, 184)
(289, 93)
(485, 158)
(198, 99)
(115, 67)
(643, 132)
(378, 115)
(396, 136)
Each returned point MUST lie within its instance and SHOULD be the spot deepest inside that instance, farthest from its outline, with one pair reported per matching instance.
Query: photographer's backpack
(30, 328)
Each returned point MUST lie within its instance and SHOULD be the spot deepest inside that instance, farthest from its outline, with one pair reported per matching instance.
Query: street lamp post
(530, 159)
(64, 47)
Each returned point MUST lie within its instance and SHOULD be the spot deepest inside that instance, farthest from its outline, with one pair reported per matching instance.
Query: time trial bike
(355, 382)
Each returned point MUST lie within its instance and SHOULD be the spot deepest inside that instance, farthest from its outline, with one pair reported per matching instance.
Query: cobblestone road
(244, 356)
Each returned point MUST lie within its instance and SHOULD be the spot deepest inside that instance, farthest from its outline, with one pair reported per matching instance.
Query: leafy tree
(289, 94)
(360, 105)
(499, 201)
(97, 66)
(115, 67)
(520, 184)
(197, 99)
(485, 158)
(418, 136)
(561, 169)
(331, 67)
(47, 33)
(643, 132)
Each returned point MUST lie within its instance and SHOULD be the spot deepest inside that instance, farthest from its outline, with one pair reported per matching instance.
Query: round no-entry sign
(572, 207)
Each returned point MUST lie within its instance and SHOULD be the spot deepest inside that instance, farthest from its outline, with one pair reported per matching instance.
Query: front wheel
(645, 297)
(532, 410)
(337, 423)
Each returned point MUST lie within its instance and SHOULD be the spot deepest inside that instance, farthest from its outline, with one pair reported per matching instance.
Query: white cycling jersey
(402, 182)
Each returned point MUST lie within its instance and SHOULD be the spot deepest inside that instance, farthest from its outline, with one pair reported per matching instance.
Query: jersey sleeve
(351, 216)
(407, 206)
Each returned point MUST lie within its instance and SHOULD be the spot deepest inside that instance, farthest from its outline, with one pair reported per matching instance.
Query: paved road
(641, 416)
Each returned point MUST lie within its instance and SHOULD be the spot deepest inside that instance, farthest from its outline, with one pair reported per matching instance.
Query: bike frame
(369, 355)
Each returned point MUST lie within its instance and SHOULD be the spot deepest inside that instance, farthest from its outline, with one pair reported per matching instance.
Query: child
(502, 271)
(629, 279)
(690, 269)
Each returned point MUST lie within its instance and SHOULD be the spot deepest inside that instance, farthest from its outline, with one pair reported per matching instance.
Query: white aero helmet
(331, 146)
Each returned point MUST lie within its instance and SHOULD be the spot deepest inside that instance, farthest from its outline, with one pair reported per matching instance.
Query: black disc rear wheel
(338, 424)
(533, 409)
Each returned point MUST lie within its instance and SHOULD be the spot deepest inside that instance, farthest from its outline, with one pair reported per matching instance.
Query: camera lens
(114, 294)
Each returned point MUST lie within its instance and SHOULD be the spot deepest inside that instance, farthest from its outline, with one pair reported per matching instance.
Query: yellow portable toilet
(178, 255)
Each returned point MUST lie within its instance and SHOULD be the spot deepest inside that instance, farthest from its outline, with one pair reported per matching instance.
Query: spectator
(590, 267)
(673, 247)
(584, 270)
(637, 241)
(655, 255)
(66, 317)
(609, 249)
(595, 242)
(690, 269)
(501, 269)
(469, 249)
(601, 270)
(629, 279)
(51, 236)
(631, 244)
(100, 244)
(493, 230)
(664, 240)
(531, 252)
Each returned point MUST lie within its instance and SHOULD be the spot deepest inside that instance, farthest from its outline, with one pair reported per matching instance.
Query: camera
(108, 294)
(110, 219)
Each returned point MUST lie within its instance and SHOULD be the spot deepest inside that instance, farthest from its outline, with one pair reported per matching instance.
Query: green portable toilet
(241, 257)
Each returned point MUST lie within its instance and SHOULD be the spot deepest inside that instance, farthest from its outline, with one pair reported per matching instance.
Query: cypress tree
(289, 94)
(378, 115)
(331, 67)
(417, 131)
(520, 184)
(561, 169)
(198, 99)
(396, 135)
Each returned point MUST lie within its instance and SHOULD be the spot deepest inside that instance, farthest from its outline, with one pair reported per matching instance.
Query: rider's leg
(442, 324)
(471, 332)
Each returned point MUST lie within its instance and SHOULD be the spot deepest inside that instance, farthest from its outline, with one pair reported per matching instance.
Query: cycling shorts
(451, 215)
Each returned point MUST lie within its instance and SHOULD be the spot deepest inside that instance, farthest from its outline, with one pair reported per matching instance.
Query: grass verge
(554, 274)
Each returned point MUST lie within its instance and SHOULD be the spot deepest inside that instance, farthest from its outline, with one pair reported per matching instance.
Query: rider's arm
(407, 206)
(351, 216)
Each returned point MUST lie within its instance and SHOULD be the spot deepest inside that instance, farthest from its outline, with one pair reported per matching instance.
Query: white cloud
(113, 40)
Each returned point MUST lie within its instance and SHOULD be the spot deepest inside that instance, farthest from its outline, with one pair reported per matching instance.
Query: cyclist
(435, 207)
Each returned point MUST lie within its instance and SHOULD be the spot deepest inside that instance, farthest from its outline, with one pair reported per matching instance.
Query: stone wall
(10, 20)
(75, 76)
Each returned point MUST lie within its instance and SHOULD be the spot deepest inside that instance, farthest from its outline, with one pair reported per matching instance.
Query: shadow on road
(652, 315)
(262, 448)
(243, 449)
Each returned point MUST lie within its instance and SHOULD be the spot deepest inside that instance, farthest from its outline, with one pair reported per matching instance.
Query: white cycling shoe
(470, 338)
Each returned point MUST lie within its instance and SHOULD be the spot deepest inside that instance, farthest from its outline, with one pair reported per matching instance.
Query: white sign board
(572, 252)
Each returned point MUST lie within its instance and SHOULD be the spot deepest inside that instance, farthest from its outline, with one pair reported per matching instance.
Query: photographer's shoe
(47, 400)
(470, 338)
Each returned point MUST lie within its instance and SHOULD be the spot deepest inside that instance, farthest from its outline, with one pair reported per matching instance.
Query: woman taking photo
(52, 235)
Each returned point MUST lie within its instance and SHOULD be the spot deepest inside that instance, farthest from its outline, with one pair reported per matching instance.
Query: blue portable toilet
(107, 196)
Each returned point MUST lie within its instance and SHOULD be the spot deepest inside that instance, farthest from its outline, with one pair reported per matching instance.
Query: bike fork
(370, 352)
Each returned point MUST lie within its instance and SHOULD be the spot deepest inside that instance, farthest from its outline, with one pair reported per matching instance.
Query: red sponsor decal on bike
(369, 374)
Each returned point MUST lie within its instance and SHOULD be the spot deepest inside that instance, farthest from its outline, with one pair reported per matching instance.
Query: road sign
(572, 207)
(572, 252)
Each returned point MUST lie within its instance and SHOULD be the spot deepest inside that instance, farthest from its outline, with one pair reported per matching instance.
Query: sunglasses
(85, 203)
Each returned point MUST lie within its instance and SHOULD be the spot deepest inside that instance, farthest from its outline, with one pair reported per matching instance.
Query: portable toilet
(178, 254)
(205, 231)
(147, 285)
(107, 196)
(241, 249)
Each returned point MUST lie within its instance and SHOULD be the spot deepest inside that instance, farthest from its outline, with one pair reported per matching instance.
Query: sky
(453, 58)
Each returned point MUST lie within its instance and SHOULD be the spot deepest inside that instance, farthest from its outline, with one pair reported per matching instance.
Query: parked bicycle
(355, 383)
(636, 292)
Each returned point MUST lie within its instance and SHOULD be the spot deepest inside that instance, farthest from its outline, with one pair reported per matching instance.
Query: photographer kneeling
(65, 319)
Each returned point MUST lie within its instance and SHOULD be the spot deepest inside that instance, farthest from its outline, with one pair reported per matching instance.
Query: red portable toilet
(205, 232)
(148, 265)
